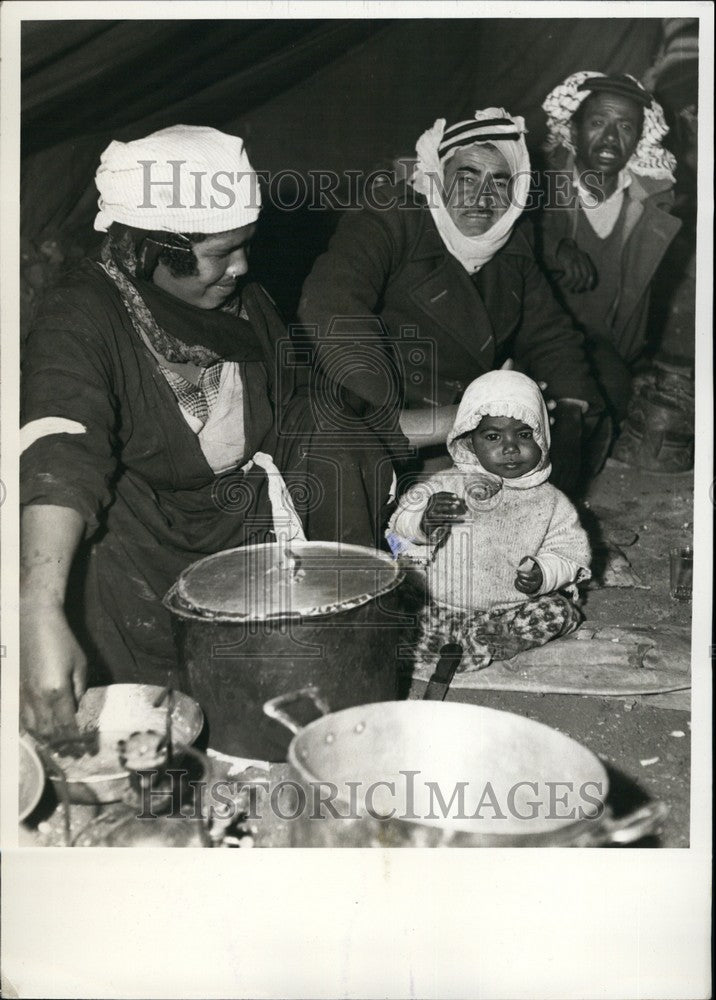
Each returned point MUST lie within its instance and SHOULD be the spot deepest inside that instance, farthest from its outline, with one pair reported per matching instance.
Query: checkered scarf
(198, 400)
(649, 159)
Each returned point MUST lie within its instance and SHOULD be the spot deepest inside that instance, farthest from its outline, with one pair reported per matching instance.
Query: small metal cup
(681, 560)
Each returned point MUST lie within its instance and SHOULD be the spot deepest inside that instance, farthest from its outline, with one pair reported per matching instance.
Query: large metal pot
(259, 621)
(433, 774)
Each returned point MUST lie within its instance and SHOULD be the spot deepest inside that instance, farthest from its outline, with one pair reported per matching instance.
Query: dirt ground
(644, 742)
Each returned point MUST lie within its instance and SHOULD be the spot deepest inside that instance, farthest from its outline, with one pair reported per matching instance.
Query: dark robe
(138, 476)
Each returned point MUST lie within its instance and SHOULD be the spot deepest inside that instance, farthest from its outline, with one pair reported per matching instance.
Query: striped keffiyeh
(435, 147)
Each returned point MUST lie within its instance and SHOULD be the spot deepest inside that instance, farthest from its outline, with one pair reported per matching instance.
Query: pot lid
(277, 580)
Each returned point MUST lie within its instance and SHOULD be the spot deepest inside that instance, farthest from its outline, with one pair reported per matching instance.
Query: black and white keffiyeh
(435, 147)
(649, 159)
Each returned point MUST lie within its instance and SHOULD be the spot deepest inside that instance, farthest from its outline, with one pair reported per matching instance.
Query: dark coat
(648, 230)
(137, 475)
(437, 328)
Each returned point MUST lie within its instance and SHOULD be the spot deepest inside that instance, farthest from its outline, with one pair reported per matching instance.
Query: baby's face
(505, 447)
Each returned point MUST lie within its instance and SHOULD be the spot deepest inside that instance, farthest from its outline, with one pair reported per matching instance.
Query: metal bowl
(117, 711)
(31, 778)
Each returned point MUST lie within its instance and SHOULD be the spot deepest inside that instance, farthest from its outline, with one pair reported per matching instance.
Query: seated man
(437, 284)
(605, 240)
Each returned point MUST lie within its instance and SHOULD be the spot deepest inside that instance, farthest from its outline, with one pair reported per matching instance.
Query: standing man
(604, 241)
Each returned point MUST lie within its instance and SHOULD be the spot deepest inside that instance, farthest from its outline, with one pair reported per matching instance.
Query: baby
(504, 548)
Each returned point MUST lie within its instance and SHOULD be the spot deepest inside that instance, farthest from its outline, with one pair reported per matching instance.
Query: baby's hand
(529, 576)
(443, 510)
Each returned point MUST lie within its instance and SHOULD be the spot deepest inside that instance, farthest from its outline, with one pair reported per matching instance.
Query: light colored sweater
(508, 519)
(475, 568)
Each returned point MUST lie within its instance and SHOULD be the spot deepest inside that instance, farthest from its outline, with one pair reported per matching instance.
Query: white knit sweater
(475, 568)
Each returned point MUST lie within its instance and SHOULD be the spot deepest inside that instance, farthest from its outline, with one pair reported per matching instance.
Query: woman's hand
(578, 273)
(443, 510)
(529, 576)
(53, 671)
(53, 668)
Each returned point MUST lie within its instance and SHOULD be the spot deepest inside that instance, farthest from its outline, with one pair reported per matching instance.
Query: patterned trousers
(495, 635)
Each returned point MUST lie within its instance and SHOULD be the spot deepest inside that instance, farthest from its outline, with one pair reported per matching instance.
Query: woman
(159, 403)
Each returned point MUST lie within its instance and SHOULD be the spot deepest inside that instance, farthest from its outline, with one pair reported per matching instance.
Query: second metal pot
(436, 774)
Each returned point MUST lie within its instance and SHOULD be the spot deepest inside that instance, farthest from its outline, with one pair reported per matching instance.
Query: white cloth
(287, 524)
(501, 394)
(559, 571)
(45, 426)
(602, 215)
(221, 436)
(222, 441)
(210, 187)
(473, 252)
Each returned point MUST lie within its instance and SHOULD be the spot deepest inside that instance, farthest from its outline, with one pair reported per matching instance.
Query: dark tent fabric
(318, 95)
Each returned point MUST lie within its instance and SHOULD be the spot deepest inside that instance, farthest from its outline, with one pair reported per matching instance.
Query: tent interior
(353, 95)
(306, 95)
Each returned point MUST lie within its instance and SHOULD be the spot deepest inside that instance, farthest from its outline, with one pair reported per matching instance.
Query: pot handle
(274, 708)
(628, 829)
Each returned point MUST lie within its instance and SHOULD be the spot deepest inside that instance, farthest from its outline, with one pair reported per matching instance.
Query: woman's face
(221, 261)
(477, 181)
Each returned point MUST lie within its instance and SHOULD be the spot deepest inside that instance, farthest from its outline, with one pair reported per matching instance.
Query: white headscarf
(438, 144)
(140, 186)
(649, 159)
(501, 394)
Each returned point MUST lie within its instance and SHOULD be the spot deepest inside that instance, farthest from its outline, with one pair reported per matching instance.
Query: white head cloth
(210, 187)
(434, 149)
(501, 394)
(649, 159)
